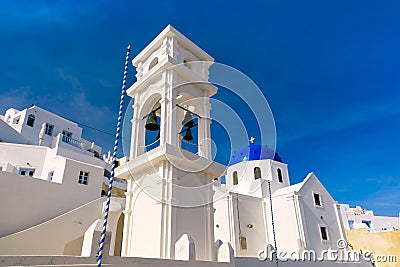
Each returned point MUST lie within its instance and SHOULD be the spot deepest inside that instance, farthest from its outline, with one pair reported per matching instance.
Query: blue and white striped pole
(273, 223)
(114, 158)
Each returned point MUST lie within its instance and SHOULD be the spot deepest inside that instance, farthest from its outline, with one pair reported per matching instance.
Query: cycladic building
(46, 168)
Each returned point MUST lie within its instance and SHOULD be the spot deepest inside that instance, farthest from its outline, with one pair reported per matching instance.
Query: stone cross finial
(252, 140)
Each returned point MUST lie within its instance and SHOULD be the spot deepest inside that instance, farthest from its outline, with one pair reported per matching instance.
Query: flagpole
(114, 158)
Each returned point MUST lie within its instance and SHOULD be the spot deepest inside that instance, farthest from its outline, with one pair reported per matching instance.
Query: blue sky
(329, 69)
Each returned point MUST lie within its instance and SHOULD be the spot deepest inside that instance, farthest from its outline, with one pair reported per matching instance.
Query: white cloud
(18, 98)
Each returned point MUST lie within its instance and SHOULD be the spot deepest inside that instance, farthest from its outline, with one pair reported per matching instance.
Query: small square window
(367, 223)
(317, 200)
(351, 224)
(31, 120)
(243, 242)
(16, 120)
(26, 172)
(324, 232)
(83, 177)
(49, 129)
(50, 176)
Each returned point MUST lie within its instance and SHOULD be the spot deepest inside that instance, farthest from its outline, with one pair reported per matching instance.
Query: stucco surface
(382, 243)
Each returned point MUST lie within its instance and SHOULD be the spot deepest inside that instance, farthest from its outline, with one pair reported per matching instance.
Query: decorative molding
(127, 212)
(139, 70)
(170, 47)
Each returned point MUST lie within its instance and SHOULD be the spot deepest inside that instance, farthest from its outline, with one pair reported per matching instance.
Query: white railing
(123, 181)
(71, 141)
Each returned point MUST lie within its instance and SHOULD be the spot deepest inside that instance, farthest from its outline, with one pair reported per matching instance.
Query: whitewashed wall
(10, 135)
(28, 201)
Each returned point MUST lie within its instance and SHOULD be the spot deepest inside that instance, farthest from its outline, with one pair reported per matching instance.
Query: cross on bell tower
(169, 191)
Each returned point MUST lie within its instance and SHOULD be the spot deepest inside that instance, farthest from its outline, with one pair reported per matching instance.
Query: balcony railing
(71, 141)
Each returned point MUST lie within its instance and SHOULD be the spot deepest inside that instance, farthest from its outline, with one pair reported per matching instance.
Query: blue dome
(254, 152)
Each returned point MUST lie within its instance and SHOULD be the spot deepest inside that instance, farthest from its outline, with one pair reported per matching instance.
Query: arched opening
(152, 126)
(152, 137)
(31, 120)
(153, 63)
(189, 130)
(235, 178)
(118, 238)
(257, 173)
(280, 177)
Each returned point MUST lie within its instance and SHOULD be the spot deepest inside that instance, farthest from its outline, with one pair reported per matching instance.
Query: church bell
(152, 124)
(188, 120)
(188, 135)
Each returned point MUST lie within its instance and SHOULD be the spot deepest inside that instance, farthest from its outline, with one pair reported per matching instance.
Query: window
(257, 173)
(280, 178)
(31, 120)
(243, 242)
(235, 178)
(50, 176)
(324, 232)
(153, 63)
(26, 171)
(351, 224)
(16, 120)
(317, 200)
(49, 129)
(83, 177)
(367, 223)
(66, 136)
(107, 173)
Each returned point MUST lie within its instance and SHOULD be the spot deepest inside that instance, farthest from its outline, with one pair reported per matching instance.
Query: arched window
(153, 63)
(280, 178)
(31, 120)
(257, 173)
(235, 178)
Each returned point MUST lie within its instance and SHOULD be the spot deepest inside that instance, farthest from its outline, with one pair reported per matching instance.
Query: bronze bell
(152, 123)
(188, 135)
(188, 120)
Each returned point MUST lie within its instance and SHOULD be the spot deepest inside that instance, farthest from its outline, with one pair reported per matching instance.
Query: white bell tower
(169, 191)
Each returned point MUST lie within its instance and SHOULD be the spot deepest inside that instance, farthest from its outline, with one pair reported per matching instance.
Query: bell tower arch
(172, 80)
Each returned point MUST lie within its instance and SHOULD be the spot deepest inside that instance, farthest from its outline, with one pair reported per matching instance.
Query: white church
(176, 211)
